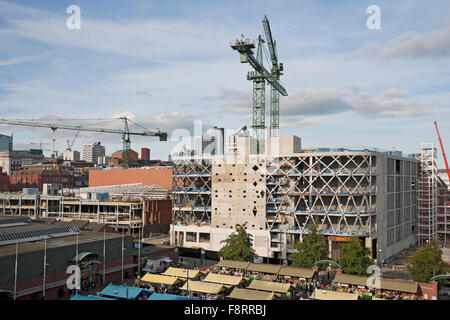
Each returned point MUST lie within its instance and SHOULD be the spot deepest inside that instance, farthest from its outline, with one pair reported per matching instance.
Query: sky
(168, 65)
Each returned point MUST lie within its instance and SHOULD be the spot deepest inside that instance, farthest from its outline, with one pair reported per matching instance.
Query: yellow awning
(160, 279)
(183, 273)
(269, 286)
(247, 294)
(203, 287)
(233, 264)
(223, 279)
(320, 294)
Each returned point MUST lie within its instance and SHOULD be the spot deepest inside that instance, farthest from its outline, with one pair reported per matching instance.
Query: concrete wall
(260, 238)
(154, 176)
(238, 194)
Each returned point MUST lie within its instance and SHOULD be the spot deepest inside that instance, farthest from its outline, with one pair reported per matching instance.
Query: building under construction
(279, 194)
(129, 207)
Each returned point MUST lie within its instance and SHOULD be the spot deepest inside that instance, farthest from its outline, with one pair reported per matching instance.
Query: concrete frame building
(363, 193)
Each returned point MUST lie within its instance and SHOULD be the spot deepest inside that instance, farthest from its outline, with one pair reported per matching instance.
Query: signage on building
(339, 239)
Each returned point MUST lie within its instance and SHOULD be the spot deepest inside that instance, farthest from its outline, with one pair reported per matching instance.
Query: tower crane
(443, 152)
(259, 76)
(125, 132)
(277, 70)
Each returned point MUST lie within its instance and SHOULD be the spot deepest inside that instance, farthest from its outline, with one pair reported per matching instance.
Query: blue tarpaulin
(165, 296)
(123, 292)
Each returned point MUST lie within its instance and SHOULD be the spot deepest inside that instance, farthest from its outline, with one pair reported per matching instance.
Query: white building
(91, 152)
(71, 155)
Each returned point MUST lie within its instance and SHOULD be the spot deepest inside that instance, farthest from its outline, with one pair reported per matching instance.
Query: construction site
(273, 185)
(390, 200)
(127, 208)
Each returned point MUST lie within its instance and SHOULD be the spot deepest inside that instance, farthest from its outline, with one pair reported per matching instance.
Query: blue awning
(90, 297)
(165, 296)
(123, 292)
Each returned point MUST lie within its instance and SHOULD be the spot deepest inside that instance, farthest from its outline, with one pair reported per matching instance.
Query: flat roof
(83, 236)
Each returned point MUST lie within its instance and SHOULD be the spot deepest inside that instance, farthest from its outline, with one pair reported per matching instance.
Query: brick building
(35, 177)
(4, 181)
(161, 176)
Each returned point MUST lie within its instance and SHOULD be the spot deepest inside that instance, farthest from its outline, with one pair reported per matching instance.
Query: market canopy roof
(333, 295)
(203, 287)
(233, 264)
(385, 284)
(124, 292)
(247, 294)
(270, 286)
(296, 272)
(160, 279)
(183, 273)
(398, 285)
(223, 279)
(265, 268)
(351, 279)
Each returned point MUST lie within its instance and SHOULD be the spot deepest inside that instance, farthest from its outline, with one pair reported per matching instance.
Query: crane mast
(125, 132)
(259, 77)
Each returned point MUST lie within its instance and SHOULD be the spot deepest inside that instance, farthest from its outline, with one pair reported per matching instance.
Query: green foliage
(312, 249)
(354, 257)
(427, 262)
(238, 246)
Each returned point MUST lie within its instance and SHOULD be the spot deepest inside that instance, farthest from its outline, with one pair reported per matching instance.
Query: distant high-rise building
(91, 152)
(145, 154)
(211, 142)
(6, 143)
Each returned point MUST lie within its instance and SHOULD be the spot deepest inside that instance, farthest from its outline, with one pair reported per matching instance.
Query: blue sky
(167, 64)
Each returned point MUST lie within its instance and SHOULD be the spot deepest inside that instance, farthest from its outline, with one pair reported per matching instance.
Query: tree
(427, 262)
(354, 257)
(313, 248)
(238, 246)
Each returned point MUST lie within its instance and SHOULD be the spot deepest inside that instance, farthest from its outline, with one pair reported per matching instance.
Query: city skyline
(166, 65)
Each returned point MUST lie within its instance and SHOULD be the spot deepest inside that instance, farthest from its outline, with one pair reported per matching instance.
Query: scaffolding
(191, 193)
(428, 200)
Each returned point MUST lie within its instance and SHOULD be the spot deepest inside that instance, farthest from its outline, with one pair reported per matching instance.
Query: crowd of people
(305, 288)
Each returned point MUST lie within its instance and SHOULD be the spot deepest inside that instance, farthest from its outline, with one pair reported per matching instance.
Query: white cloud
(299, 106)
(413, 44)
(155, 39)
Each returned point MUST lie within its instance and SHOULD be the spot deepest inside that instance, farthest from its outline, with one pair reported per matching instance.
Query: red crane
(443, 152)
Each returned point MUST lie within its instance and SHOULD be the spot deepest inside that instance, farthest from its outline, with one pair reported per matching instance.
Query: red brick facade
(36, 177)
(157, 211)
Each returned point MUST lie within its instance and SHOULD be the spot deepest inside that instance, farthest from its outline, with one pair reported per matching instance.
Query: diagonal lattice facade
(191, 192)
(343, 192)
